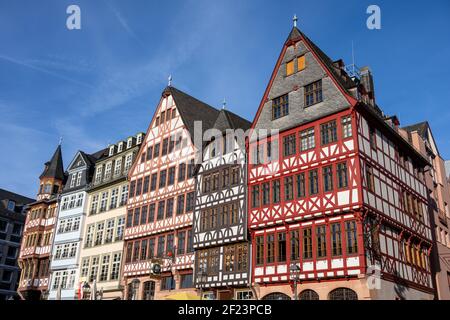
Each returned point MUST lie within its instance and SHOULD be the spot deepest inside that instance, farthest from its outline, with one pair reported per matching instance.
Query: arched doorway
(308, 294)
(342, 294)
(276, 296)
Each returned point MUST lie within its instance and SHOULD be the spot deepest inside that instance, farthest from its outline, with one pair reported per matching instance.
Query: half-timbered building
(222, 252)
(337, 197)
(72, 208)
(35, 250)
(159, 255)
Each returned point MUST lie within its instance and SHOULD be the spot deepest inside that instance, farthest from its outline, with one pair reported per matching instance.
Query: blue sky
(100, 84)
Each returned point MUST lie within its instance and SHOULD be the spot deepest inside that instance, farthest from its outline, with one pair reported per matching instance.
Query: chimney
(367, 82)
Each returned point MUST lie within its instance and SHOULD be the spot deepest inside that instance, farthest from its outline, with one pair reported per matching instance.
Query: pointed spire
(54, 168)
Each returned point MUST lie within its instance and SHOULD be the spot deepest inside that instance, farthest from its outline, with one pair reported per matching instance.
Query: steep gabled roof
(229, 120)
(17, 198)
(192, 109)
(421, 128)
(54, 168)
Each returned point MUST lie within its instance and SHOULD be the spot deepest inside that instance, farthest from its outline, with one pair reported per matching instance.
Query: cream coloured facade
(102, 246)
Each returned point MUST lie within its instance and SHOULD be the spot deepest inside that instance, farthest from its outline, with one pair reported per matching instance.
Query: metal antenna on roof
(170, 80)
(295, 20)
(353, 58)
(224, 103)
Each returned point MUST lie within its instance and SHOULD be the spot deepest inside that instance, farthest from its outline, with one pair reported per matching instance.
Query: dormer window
(139, 139)
(129, 142)
(79, 178)
(120, 148)
(72, 180)
(11, 205)
(111, 150)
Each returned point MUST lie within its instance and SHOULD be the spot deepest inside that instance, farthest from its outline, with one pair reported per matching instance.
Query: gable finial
(170, 81)
(224, 103)
(60, 140)
(295, 19)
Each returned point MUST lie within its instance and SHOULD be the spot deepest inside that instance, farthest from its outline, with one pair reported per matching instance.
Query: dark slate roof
(421, 128)
(54, 168)
(341, 76)
(192, 109)
(19, 199)
(229, 120)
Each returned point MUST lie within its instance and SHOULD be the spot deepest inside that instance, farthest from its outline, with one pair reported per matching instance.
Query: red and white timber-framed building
(338, 194)
(35, 251)
(161, 200)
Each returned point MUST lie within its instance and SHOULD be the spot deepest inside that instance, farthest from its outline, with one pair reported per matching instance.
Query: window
(11, 205)
(189, 247)
(265, 193)
(149, 153)
(372, 138)
(156, 150)
(255, 196)
(153, 182)
(270, 242)
(308, 294)
(313, 182)
(146, 184)
(346, 123)
(114, 198)
(301, 63)
(280, 107)
(341, 172)
(167, 283)
(190, 201)
(321, 242)
(169, 208)
(104, 271)
(99, 233)
(171, 180)
(235, 173)
(276, 191)
(328, 132)
(229, 259)
(144, 250)
(186, 281)
(313, 93)
(328, 179)
(161, 206)
(181, 242)
(89, 235)
(128, 162)
(259, 250)
(307, 139)
(103, 201)
(289, 67)
(115, 267)
(301, 191)
(180, 204)
(162, 178)
(352, 244)
(84, 267)
(370, 178)
(307, 244)
(124, 195)
(289, 143)
(120, 228)
(288, 188)
(336, 242)
(182, 172)
(144, 215)
(343, 294)
(295, 245)
(94, 269)
(281, 247)
(132, 188)
(165, 146)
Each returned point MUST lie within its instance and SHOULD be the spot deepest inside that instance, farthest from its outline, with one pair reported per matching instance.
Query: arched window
(343, 294)
(148, 290)
(276, 296)
(308, 294)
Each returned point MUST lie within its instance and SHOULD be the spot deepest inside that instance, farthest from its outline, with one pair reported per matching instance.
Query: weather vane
(170, 80)
(60, 140)
(224, 103)
(295, 20)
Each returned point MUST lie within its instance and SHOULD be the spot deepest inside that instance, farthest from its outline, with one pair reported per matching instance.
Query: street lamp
(86, 289)
(135, 285)
(202, 276)
(294, 271)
